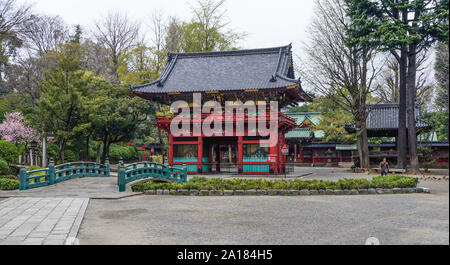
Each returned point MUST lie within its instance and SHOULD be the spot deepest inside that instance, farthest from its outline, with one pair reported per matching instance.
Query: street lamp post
(33, 145)
(44, 152)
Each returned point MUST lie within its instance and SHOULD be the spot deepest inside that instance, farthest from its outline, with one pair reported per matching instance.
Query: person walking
(384, 167)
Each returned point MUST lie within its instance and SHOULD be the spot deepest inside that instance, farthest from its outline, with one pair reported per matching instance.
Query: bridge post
(184, 178)
(82, 170)
(51, 172)
(118, 169)
(108, 170)
(22, 177)
(121, 176)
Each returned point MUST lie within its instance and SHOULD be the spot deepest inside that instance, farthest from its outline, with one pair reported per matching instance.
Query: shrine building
(258, 75)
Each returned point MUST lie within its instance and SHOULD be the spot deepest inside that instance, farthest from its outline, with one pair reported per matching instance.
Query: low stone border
(72, 237)
(184, 192)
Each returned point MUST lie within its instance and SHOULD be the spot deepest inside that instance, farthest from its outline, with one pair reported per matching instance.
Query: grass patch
(196, 183)
(32, 181)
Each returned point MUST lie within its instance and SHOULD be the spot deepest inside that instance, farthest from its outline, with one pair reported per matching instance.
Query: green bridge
(143, 170)
(126, 173)
(55, 174)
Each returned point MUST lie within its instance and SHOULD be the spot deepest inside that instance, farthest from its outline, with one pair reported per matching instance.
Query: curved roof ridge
(164, 74)
(233, 52)
(302, 113)
(288, 79)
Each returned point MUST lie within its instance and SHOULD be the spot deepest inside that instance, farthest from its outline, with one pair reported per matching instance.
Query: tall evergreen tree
(62, 90)
(404, 28)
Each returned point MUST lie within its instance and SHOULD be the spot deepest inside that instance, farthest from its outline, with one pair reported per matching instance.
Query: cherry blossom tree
(15, 129)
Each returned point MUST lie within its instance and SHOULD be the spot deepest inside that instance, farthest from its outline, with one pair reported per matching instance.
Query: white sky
(267, 22)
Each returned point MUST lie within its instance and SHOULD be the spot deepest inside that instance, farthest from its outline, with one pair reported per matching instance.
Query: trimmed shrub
(33, 168)
(53, 150)
(36, 173)
(128, 153)
(9, 177)
(3, 167)
(9, 152)
(201, 183)
(9, 184)
(70, 156)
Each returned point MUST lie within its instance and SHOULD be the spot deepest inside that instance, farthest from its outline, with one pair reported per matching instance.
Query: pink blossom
(14, 129)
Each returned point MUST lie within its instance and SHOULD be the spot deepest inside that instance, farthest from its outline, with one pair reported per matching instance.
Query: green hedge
(196, 183)
(128, 153)
(9, 152)
(34, 168)
(9, 184)
(70, 156)
(4, 168)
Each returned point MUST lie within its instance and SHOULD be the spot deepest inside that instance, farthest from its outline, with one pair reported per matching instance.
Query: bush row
(8, 183)
(3, 167)
(126, 152)
(393, 181)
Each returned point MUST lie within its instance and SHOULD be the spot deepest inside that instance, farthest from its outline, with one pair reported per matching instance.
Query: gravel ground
(393, 219)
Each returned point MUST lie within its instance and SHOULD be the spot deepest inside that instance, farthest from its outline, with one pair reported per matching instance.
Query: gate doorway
(223, 155)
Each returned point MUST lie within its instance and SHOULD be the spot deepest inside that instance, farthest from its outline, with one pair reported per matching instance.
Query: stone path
(36, 221)
(94, 188)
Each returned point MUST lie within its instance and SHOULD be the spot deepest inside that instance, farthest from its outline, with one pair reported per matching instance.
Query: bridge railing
(143, 170)
(55, 174)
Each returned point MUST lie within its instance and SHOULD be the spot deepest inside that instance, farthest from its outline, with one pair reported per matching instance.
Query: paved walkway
(94, 188)
(36, 221)
(393, 219)
(53, 215)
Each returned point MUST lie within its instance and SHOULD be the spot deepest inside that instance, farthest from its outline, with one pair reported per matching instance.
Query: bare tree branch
(117, 34)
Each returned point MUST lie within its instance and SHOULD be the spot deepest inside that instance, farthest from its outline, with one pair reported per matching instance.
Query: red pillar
(143, 158)
(200, 154)
(295, 153)
(286, 156)
(240, 154)
(170, 149)
(278, 156)
(301, 155)
(273, 155)
(282, 157)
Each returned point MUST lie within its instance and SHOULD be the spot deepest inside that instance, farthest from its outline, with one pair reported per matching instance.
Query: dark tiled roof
(393, 145)
(385, 116)
(227, 70)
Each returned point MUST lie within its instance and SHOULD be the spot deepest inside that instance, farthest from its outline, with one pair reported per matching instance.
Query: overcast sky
(267, 22)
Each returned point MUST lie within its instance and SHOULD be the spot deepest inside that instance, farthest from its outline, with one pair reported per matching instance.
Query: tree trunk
(411, 98)
(86, 158)
(99, 153)
(401, 159)
(362, 112)
(105, 149)
(363, 146)
(62, 149)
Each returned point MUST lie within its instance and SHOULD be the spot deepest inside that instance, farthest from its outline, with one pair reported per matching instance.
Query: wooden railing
(55, 174)
(144, 170)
